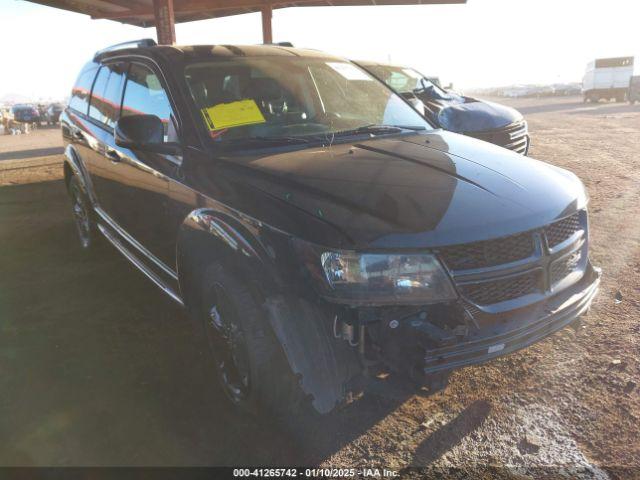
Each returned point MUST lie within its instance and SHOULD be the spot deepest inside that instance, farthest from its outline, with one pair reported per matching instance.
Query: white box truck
(607, 78)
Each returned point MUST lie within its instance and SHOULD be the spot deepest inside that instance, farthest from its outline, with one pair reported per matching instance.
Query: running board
(154, 277)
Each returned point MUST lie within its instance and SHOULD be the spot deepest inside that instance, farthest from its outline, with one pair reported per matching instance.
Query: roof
(250, 51)
(140, 12)
(217, 51)
(371, 63)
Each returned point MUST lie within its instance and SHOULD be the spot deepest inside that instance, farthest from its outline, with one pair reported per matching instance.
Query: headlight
(378, 278)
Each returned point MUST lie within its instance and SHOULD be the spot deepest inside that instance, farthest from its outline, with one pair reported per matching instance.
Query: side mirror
(143, 132)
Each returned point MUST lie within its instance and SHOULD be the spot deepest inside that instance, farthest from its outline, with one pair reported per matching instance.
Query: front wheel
(249, 362)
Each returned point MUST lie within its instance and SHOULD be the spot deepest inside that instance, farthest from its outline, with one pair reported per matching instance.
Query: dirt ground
(98, 368)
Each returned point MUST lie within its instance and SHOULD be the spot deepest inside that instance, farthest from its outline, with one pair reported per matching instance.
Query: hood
(409, 191)
(464, 114)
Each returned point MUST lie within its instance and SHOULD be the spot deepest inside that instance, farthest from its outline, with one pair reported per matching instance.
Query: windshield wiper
(269, 139)
(379, 129)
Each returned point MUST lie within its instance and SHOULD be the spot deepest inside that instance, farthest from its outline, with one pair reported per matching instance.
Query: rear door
(79, 132)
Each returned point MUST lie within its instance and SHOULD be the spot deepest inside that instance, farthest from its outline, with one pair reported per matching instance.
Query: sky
(481, 44)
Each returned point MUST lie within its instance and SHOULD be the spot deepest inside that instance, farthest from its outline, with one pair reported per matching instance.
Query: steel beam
(165, 21)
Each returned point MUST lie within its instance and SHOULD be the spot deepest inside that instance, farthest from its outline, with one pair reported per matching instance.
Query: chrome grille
(507, 268)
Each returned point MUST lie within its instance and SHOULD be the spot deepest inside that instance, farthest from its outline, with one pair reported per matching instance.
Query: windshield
(297, 97)
(407, 80)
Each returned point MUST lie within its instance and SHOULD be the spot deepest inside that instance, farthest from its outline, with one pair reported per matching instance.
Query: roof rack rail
(280, 44)
(145, 42)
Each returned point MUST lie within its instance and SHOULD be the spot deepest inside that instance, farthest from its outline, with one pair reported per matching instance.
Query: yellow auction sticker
(233, 114)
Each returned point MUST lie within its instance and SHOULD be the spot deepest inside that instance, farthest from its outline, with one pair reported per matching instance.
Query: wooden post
(267, 36)
(165, 21)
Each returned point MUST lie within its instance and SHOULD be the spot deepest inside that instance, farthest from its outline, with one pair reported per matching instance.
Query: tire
(249, 362)
(81, 209)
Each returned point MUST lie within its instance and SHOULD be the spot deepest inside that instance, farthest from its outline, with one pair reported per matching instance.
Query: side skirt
(141, 265)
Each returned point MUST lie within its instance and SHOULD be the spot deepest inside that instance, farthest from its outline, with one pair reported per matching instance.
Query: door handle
(113, 155)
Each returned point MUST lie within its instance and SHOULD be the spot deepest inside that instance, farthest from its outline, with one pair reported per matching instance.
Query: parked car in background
(320, 233)
(52, 114)
(42, 110)
(25, 113)
(480, 119)
(607, 78)
(567, 89)
(633, 95)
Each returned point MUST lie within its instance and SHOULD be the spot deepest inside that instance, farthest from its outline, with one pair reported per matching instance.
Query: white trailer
(607, 78)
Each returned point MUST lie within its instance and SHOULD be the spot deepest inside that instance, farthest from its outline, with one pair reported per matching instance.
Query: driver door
(141, 197)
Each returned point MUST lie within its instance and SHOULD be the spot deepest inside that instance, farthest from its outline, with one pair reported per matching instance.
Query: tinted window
(97, 93)
(106, 95)
(144, 94)
(82, 88)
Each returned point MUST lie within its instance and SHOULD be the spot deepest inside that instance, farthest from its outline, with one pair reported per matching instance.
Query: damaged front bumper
(429, 343)
(336, 349)
(519, 330)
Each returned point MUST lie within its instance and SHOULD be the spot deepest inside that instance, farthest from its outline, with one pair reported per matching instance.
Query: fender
(207, 235)
(73, 166)
(325, 366)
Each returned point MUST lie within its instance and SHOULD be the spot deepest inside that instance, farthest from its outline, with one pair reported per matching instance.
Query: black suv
(25, 113)
(480, 119)
(321, 234)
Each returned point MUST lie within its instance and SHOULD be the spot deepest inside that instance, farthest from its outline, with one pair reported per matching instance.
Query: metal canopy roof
(141, 12)
(164, 14)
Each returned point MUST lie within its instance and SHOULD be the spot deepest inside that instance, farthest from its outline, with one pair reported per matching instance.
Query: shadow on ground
(450, 435)
(97, 367)
(579, 108)
(35, 152)
(606, 109)
(548, 107)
